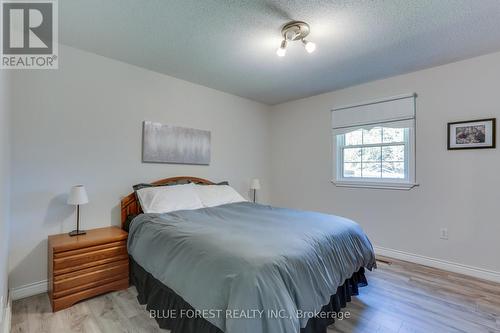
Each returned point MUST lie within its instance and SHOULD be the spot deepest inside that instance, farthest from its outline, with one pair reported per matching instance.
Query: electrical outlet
(443, 233)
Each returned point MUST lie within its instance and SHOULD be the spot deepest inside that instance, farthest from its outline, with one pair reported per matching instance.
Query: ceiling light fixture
(295, 31)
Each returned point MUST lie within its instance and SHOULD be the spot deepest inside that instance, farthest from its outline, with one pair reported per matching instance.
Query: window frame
(367, 182)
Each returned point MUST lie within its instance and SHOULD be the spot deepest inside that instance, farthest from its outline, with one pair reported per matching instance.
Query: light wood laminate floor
(401, 297)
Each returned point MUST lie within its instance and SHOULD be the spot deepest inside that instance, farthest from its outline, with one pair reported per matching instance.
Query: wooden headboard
(130, 204)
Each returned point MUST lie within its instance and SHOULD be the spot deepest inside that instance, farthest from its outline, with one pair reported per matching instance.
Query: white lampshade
(255, 184)
(78, 195)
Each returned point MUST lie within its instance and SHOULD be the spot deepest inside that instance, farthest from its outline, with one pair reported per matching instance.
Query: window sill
(375, 185)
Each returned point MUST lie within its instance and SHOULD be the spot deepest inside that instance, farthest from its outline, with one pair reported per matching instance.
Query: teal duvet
(250, 268)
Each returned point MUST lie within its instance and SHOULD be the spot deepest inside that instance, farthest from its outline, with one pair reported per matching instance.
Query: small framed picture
(472, 134)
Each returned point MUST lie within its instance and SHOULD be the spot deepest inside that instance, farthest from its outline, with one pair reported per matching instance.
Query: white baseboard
(28, 290)
(6, 322)
(477, 272)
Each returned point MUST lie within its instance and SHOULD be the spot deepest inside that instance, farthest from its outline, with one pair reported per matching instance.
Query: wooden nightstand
(87, 265)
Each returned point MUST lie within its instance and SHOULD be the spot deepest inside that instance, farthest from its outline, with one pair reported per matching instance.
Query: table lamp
(77, 196)
(255, 186)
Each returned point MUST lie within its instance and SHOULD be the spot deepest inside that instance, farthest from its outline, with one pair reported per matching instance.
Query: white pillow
(215, 195)
(164, 199)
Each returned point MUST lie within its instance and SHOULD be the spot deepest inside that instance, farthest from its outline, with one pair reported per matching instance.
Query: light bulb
(309, 46)
(282, 50)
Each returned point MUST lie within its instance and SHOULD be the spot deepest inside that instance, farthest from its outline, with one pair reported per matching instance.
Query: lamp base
(77, 232)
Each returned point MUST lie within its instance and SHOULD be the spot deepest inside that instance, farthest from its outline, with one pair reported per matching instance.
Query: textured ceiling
(230, 45)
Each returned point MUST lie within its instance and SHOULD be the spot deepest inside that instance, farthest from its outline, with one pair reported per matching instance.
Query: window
(379, 153)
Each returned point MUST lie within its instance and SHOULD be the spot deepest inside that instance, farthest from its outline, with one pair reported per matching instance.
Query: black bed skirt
(161, 300)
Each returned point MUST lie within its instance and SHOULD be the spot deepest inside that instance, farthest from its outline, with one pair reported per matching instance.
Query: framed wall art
(173, 144)
(472, 134)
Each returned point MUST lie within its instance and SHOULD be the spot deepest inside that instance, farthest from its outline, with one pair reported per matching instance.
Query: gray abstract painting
(173, 144)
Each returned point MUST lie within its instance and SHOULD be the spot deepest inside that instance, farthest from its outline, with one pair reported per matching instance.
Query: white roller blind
(407, 123)
(383, 111)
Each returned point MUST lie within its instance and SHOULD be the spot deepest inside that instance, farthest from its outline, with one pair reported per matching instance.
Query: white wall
(458, 189)
(83, 124)
(4, 187)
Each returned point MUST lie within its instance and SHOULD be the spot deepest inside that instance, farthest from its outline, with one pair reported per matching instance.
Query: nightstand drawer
(93, 256)
(90, 275)
(70, 253)
(70, 299)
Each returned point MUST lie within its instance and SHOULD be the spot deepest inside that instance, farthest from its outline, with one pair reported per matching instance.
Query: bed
(244, 267)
